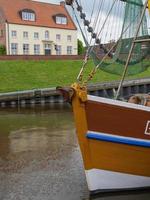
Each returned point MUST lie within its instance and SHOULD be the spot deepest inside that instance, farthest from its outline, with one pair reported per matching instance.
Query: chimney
(62, 3)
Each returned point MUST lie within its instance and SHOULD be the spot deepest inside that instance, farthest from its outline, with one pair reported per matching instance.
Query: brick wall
(32, 57)
(2, 29)
(42, 57)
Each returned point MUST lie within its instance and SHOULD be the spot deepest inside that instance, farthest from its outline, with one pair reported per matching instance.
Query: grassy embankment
(23, 75)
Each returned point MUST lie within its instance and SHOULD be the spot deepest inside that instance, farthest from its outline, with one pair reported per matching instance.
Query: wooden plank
(120, 157)
(117, 120)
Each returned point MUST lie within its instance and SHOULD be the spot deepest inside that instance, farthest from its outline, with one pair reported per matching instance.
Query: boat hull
(114, 138)
(116, 164)
(119, 157)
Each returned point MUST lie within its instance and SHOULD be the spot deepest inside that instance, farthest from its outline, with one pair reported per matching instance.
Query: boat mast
(131, 49)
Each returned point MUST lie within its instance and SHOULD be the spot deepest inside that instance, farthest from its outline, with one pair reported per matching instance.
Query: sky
(112, 28)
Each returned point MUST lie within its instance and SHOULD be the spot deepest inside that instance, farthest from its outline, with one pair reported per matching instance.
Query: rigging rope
(92, 73)
(131, 50)
(92, 11)
(120, 49)
(107, 17)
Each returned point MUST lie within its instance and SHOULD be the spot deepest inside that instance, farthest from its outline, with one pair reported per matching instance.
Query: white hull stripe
(118, 139)
(98, 179)
(118, 103)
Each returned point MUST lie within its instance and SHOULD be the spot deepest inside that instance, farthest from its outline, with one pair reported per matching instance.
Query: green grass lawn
(23, 75)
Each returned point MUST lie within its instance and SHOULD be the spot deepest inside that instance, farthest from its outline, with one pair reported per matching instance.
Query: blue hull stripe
(118, 139)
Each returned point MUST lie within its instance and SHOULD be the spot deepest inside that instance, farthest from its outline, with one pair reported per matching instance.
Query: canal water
(40, 158)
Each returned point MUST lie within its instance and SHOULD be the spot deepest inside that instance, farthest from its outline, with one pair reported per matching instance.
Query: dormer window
(60, 19)
(27, 15)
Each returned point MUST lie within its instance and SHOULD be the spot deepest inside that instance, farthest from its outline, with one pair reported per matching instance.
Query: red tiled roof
(44, 13)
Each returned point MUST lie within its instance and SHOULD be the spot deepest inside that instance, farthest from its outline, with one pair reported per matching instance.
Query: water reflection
(40, 158)
(28, 139)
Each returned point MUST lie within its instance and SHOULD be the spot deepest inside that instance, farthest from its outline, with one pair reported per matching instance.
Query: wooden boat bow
(75, 91)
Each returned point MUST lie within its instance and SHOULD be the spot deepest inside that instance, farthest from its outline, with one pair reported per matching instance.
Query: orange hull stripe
(119, 157)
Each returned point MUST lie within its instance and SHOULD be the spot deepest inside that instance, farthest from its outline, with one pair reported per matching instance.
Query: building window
(14, 48)
(58, 37)
(47, 46)
(25, 49)
(69, 50)
(28, 16)
(58, 50)
(69, 38)
(61, 20)
(14, 34)
(36, 49)
(47, 35)
(36, 35)
(25, 35)
(47, 49)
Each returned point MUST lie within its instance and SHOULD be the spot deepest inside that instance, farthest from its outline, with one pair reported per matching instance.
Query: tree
(2, 50)
(81, 49)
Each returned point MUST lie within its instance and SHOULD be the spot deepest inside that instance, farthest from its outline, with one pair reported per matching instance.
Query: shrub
(2, 50)
(81, 48)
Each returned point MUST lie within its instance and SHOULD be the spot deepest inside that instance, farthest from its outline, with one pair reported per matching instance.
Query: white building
(35, 28)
